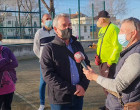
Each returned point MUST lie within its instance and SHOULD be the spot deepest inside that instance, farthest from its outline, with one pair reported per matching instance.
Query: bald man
(43, 36)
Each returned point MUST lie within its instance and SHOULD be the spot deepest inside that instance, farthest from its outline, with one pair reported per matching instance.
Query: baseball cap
(103, 13)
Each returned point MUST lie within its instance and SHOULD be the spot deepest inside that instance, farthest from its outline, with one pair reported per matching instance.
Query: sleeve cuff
(99, 79)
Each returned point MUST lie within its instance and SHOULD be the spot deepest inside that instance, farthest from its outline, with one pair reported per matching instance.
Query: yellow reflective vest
(110, 50)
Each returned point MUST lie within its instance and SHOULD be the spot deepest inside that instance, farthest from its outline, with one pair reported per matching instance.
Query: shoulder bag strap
(69, 53)
(103, 38)
(67, 50)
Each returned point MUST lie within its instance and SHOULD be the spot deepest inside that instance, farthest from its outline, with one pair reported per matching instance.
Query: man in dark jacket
(66, 82)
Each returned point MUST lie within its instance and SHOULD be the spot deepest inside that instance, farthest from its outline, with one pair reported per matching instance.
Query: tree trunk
(51, 8)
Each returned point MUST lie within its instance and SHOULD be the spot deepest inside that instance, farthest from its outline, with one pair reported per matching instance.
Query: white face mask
(122, 40)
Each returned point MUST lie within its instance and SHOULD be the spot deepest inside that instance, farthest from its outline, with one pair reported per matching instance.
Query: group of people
(122, 83)
(67, 81)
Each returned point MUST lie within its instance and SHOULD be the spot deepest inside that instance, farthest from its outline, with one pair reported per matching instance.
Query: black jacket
(56, 70)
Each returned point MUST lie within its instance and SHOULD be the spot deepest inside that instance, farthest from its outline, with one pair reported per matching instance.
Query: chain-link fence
(20, 19)
(83, 24)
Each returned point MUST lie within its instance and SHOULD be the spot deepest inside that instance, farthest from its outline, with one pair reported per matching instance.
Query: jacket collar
(129, 48)
(60, 42)
(44, 29)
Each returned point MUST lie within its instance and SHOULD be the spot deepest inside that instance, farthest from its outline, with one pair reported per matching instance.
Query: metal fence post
(79, 19)
(104, 4)
(70, 13)
(39, 4)
(92, 20)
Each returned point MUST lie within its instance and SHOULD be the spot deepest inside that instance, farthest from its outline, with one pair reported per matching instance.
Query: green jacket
(110, 50)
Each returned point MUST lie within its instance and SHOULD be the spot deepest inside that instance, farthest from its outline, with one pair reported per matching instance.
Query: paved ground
(27, 88)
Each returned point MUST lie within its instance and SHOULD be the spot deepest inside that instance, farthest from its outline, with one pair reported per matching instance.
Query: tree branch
(45, 4)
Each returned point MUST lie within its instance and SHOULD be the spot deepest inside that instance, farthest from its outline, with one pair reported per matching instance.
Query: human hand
(79, 90)
(93, 46)
(108, 65)
(90, 74)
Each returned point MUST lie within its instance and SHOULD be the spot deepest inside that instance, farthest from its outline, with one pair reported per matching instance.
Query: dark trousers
(107, 72)
(76, 104)
(5, 101)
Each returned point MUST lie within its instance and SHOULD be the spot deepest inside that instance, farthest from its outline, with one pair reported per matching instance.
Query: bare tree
(3, 15)
(19, 3)
(27, 6)
(22, 19)
(114, 7)
(51, 8)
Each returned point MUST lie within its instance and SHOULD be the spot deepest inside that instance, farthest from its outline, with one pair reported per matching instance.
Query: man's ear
(103, 20)
(55, 29)
(135, 32)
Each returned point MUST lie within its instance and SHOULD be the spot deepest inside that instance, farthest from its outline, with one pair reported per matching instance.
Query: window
(82, 37)
(93, 28)
(35, 24)
(9, 22)
(9, 30)
(16, 23)
(29, 22)
(35, 30)
(85, 28)
(90, 28)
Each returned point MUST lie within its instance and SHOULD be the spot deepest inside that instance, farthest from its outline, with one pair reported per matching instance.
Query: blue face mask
(122, 40)
(48, 23)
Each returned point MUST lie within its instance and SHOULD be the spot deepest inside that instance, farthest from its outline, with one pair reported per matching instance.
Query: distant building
(12, 21)
(76, 15)
(86, 26)
(8, 19)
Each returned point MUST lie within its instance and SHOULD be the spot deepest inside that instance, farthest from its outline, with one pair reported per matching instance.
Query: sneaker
(41, 107)
(102, 108)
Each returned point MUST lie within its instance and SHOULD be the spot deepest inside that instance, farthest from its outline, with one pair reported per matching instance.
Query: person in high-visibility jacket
(108, 47)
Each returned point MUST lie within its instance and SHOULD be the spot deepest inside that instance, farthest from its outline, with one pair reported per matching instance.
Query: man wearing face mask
(108, 47)
(65, 79)
(126, 85)
(43, 36)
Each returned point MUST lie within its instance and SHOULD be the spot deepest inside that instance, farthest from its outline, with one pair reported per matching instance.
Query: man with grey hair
(43, 36)
(127, 75)
(66, 82)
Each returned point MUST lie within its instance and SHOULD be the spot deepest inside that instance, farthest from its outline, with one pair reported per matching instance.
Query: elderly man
(127, 75)
(43, 36)
(108, 47)
(66, 82)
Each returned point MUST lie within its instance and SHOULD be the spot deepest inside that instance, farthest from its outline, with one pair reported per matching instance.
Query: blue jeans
(42, 89)
(76, 104)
